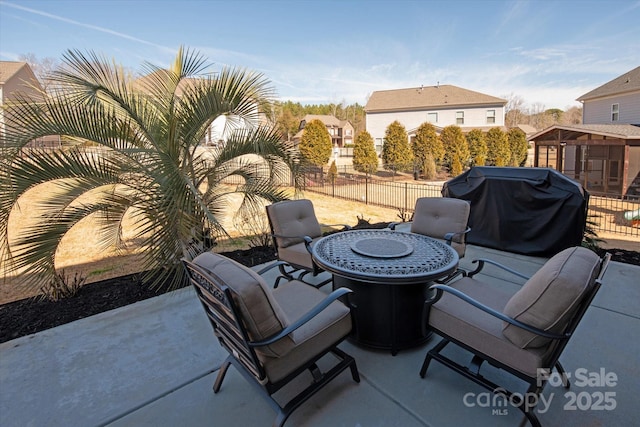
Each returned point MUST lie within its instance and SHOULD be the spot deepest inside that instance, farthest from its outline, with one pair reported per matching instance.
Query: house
(341, 131)
(222, 126)
(603, 154)
(17, 79)
(615, 102)
(441, 105)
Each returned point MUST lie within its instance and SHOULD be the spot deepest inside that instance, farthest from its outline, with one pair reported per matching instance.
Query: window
(432, 117)
(460, 117)
(348, 132)
(491, 116)
(615, 110)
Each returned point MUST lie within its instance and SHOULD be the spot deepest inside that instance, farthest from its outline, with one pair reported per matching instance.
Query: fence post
(366, 189)
(406, 197)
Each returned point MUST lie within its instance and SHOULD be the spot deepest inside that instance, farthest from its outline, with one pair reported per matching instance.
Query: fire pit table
(390, 273)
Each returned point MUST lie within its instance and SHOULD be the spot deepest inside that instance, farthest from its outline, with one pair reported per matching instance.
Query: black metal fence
(399, 190)
(607, 213)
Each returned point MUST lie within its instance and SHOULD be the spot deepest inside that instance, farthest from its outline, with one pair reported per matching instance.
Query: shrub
(61, 286)
(396, 154)
(477, 147)
(315, 145)
(456, 149)
(365, 158)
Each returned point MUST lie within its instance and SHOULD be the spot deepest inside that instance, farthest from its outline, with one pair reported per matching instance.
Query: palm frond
(147, 164)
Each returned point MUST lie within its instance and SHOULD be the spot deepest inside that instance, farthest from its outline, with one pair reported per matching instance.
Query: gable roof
(621, 131)
(428, 97)
(8, 69)
(327, 119)
(628, 82)
(527, 129)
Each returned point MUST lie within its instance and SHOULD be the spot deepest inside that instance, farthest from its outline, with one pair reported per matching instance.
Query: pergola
(603, 158)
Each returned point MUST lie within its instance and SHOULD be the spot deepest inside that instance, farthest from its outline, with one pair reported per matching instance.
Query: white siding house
(16, 80)
(615, 102)
(441, 105)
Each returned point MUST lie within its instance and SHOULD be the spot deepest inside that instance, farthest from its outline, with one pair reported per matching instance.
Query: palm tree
(145, 160)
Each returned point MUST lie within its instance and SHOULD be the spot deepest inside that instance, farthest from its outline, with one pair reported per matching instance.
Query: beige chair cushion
(323, 331)
(262, 315)
(480, 330)
(437, 216)
(298, 254)
(293, 218)
(550, 298)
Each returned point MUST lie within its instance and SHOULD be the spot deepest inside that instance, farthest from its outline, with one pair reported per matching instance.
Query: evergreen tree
(430, 169)
(396, 154)
(518, 145)
(365, 158)
(499, 152)
(456, 149)
(426, 146)
(333, 172)
(477, 147)
(315, 145)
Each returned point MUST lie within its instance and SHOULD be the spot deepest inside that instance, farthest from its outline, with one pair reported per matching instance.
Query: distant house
(341, 131)
(615, 102)
(441, 105)
(16, 80)
(222, 127)
(603, 154)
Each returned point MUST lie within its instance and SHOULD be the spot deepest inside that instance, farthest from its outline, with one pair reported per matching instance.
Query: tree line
(286, 115)
(452, 149)
(426, 153)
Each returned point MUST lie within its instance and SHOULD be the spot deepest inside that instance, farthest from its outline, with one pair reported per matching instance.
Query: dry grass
(79, 253)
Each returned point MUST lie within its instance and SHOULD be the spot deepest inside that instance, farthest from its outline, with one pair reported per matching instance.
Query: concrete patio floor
(153, 363)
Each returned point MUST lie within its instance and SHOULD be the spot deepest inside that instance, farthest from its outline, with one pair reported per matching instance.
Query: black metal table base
(387, 316)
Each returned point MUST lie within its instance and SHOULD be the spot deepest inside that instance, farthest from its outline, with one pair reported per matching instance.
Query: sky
(545, 52)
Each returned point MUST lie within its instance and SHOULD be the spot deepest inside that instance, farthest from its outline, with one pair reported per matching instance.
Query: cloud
(544, 54)
(89, 26)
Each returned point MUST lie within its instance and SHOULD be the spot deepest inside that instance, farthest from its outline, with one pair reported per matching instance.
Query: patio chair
(295, 229)
(523, 334)
(272, 336)
(442, 218)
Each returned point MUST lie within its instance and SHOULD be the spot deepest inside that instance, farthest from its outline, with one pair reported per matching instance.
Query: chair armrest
(344, 226)
(393, 225)
(444, 288)
(270, 266)
(481, 262)
(458, 236)
(304, 319)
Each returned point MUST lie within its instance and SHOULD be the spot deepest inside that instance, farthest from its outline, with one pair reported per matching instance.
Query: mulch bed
(32, 315)
(35, 314)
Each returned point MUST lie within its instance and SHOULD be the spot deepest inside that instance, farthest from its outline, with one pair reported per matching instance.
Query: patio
(154, 363)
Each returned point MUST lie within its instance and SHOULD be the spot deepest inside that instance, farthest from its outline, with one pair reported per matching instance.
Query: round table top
(385, 255)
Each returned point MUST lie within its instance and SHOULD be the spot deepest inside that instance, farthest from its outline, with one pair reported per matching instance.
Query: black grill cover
(532, 211)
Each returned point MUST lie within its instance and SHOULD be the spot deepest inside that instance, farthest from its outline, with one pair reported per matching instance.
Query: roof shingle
(427, 97)
(8, 69)
(628, 82)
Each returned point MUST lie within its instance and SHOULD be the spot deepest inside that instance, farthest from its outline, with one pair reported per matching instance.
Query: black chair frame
(292, 271)
(218, 302)
(472, 371)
